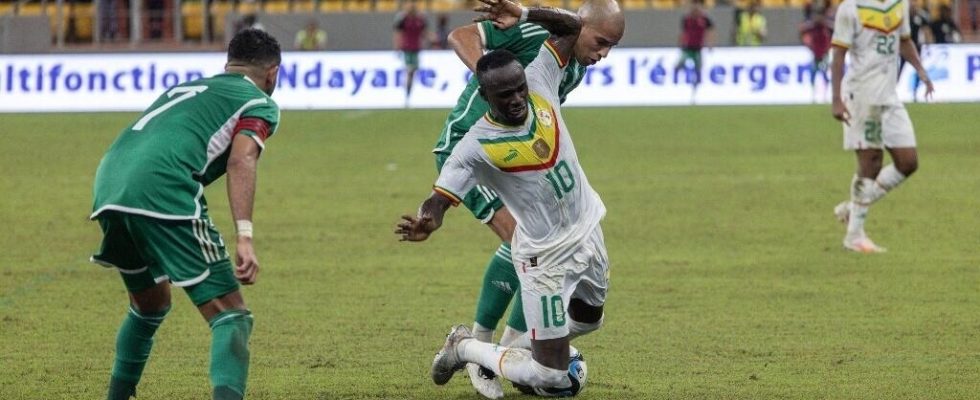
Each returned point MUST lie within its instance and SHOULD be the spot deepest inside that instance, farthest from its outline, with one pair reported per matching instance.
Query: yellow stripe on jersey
(554, 53)
(840, 44)
(538, 149)
(449, 195)
(885, 21)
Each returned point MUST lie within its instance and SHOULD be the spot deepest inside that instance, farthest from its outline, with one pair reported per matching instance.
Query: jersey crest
(882, 20)
(538, 149)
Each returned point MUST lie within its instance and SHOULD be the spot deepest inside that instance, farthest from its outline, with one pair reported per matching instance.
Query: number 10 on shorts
(552, 311)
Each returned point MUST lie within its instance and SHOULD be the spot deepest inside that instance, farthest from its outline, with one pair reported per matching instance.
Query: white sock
(515, 338)
(855, 223)
(485, 354)
(516, 365)
(576, 329)
(888, 178)
(482, 333)
(861, 193)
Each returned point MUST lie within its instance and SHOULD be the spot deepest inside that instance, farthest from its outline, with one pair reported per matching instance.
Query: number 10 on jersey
(552, 311)
(561, 179)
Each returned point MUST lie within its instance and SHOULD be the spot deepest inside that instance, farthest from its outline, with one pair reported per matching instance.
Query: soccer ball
(578, 371)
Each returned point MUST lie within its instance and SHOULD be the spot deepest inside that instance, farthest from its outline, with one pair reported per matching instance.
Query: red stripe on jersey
(257, 125)
(552, 47)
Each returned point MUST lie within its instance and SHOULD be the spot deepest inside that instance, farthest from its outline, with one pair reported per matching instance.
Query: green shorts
(481, 200)
(411, 59)
(690, 54)
(146, 251)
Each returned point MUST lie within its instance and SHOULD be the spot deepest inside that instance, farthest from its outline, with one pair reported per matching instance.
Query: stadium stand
(78, 18)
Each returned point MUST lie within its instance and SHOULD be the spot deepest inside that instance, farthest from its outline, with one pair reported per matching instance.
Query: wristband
(523, 17)
(244, 228)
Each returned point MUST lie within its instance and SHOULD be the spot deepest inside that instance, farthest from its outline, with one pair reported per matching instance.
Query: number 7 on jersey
(182, 93)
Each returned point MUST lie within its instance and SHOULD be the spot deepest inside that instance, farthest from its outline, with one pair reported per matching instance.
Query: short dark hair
(254, 47)
(493, 60)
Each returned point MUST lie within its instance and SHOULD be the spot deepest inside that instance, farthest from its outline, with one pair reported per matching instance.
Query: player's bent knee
(155, 299)
(579, 310)
(232, 301)
(908, 167)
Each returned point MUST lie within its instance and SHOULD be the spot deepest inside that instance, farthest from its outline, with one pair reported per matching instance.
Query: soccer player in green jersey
(602, 27)
(149, 202)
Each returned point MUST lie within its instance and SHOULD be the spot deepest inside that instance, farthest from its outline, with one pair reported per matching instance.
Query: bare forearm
(435, 208)
(837, 71)
(906, 48)
(557, 21)
(467, 44)
(241, 186)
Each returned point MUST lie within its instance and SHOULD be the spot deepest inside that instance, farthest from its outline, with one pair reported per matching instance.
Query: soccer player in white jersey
(522, 150)
(593, 42)
(875, 33)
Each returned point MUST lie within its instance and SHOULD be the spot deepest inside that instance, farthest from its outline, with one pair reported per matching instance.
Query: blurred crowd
(934, 21)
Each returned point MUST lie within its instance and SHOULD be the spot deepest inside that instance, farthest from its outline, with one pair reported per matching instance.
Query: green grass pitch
(728, 279)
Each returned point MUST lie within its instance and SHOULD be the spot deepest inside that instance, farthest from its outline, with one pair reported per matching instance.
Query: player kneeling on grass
(523, 151)
(149, 201)
(602, 28)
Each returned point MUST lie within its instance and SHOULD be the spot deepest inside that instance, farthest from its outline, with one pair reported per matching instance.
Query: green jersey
(159, 165)
(524, 40)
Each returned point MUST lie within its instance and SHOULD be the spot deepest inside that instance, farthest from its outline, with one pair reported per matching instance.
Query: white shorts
(876, 126)
(547, 289)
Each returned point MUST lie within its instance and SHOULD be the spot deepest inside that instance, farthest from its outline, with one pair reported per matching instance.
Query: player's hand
(840, 112)
(502, 14)
(415, 229)
(246, 264)
(929, 88)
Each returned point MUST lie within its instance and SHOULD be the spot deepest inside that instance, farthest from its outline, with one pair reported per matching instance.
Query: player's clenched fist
(502, 13)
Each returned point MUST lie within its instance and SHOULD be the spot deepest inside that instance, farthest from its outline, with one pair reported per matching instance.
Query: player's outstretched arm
(906, 48)
(242, 165)
(467, 44)
(418, 228)
(506, 13)
(838, 109)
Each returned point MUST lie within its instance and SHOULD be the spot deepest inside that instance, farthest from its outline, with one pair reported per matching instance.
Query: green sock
(133, 345)
(500, 283)
(229, 353)
(121, 390)
(516, 319)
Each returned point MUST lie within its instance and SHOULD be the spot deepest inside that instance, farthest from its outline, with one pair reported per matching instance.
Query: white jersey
(871, 30)
(534, 169)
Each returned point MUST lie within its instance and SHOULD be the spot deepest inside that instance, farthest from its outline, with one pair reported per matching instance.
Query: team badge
(541, 148)
(544, 117)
